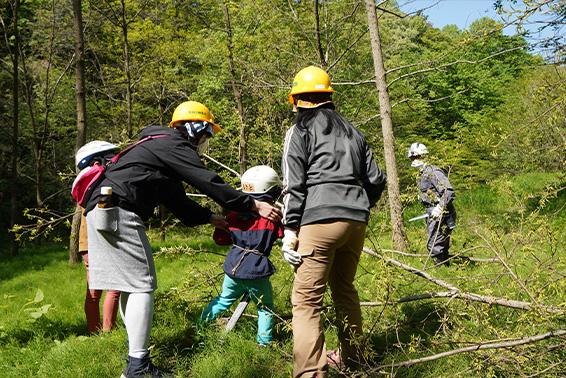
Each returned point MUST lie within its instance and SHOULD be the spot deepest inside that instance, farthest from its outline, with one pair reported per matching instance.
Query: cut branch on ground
(455, 292)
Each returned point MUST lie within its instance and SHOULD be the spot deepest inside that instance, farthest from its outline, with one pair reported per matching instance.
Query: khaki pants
(331, 252)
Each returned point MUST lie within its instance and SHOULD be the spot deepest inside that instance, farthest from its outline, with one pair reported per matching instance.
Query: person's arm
(187, 166)
(443, 187)
(267, 210)
(188, 211)
(374, 179)
(294, 166)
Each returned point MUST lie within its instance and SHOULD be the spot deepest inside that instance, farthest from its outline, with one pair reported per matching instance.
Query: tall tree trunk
(15, 129)
(321, 55)
(28, 95)
(236, 90)
(80, 95)
(126, 47)
(399, 237)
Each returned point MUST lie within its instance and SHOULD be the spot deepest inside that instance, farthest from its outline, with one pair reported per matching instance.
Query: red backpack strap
(116, 157)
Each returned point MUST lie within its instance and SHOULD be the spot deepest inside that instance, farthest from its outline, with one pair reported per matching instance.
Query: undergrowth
(519, 221)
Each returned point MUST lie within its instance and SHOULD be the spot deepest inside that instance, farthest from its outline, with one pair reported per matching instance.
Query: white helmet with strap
(259, 179)
(86, 153)
(417, 149)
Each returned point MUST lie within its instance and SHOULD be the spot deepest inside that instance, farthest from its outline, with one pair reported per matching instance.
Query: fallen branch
(412, 298)
(405, 253)
(473, 348)
(458, 256)
(460, 295)
(486, 260)
(409, 268)
(455, 292)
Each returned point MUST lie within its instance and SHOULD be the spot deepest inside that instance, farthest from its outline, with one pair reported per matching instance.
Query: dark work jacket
(153, 173)
(252, 238)
(328, 176)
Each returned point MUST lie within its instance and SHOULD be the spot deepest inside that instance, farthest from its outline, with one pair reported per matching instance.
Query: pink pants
(92, 310)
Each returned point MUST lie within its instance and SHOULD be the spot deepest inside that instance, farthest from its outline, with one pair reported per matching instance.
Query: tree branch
(318, 41)
(455, 292)
(459, 61)
(413, 270)
(495, 344)
(431, 100)
(220, 164)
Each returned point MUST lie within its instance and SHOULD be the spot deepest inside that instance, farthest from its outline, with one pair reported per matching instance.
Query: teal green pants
(261, 293)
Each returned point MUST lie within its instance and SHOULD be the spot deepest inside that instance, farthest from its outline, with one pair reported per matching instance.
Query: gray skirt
(119, 253)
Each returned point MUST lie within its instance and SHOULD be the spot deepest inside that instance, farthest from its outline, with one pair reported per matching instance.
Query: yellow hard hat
(194, 111)
(308, 80)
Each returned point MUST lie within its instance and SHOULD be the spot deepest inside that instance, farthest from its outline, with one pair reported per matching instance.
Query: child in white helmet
(247, 267)
(92, 152)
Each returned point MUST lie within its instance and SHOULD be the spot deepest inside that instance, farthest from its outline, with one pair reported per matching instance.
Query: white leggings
(136, 310)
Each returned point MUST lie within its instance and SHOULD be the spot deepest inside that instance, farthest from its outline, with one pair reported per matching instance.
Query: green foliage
(463, 92)
(36, 312)
(514, 218)
(488, 110)
(233, 356)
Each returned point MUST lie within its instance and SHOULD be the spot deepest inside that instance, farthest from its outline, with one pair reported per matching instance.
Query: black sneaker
(442, 259)
(143, 368)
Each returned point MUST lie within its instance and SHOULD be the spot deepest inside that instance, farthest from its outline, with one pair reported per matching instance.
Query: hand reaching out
(218, 221)
(267, 211)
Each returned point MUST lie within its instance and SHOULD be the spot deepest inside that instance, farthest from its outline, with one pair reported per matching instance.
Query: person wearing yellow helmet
(310, 89)
(331, 182)
(197, 121)
(152, 172)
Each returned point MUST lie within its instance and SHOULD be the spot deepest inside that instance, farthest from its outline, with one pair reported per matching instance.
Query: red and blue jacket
(252, 238)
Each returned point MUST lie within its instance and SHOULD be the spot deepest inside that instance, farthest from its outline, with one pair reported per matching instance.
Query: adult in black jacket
(331, 181)
(149, 174)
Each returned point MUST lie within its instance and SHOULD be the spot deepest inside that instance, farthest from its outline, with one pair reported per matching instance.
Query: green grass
(493, 220)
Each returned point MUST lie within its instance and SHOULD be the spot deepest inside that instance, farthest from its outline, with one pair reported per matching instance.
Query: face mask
(417, 163)
(202, 146)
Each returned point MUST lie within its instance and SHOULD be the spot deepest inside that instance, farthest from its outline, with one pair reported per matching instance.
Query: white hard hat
(417, 149)
(259, 179)
(90, 150)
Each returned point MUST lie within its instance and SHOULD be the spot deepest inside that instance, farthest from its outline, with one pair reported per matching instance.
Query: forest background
(489, 107)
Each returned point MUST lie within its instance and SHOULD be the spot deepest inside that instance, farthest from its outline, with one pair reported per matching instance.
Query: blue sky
(463, 12)
(459, 12)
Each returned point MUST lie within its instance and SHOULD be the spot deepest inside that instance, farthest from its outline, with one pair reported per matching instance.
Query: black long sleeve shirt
(153, 172)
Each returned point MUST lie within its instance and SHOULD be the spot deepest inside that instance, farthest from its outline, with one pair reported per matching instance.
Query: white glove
(290, 241)
(436, 212)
